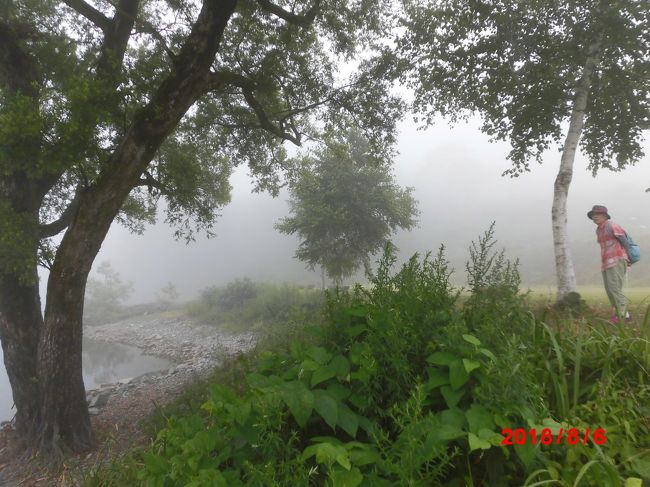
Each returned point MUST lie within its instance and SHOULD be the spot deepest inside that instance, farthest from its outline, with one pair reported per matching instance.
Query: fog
(457, 178)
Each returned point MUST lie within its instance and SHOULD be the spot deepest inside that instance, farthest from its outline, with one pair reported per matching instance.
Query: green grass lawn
(594, 295)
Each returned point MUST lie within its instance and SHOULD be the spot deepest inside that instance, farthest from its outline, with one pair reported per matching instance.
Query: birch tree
(541, 74)
(106, 107)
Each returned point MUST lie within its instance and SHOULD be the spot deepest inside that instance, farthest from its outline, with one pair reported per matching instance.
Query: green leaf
(364, 457)
(470, 365)
(355, 331)
(487, 353)
(299, 400)
(322, 374)
(472, 339)
(642, 467)
(437, 378)
(451, 396)
(445, 432)
(156, 464)
(348, 420)
(479, 418)
(320, 355)
(338, 391)
(441, 358)
(326, 407)
(345, 478)
(454, 417)
(458, 376)
(341, 365)
(526, 453)
(476, 443)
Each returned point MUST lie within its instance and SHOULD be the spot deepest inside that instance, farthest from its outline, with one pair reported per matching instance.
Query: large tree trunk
(20, 325)
(63, 419)
(20, 306)
(566, 278)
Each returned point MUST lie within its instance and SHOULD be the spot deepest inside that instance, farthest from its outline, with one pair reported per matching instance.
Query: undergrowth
(403, 385)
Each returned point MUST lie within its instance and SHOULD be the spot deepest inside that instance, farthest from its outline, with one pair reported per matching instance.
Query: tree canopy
(345, 205)
(530, 69)
(517, 64)
(107, 107)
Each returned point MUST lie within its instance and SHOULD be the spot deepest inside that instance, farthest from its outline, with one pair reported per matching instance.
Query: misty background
(457, 178)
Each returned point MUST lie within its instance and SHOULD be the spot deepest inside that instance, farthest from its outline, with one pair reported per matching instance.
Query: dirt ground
(118, 425)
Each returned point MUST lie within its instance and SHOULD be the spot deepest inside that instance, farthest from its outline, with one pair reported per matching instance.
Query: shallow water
(103, 363)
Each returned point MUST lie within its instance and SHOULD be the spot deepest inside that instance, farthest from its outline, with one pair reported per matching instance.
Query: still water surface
(103, 363)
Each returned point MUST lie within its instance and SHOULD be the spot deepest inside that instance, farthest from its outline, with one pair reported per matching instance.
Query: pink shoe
(615, 320)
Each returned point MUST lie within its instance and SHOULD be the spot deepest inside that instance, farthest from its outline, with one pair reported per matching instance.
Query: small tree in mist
(167, 295)
(345, 205)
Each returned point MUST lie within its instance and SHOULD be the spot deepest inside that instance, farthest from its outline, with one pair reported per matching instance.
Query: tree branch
(89, 12)
(218, 80)
(264, 120)
(302, 20)
(53, 228)
(151, 182)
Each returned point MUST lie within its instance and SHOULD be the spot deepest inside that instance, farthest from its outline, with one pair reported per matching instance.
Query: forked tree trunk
(566, 278)
(63, 415)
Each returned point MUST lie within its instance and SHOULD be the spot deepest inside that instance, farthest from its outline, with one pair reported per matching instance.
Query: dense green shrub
(243, 304)
(411, 385)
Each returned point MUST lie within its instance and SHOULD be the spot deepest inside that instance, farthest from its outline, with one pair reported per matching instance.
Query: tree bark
(21, 320)
(20, 325)
(565, 273)
(63, 417)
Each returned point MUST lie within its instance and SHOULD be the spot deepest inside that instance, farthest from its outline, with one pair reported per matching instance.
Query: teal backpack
(633, 251)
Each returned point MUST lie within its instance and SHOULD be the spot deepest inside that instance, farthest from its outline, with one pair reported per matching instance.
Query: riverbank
(118, 409)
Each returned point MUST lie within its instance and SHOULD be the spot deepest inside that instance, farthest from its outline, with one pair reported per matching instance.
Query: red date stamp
(571, 436)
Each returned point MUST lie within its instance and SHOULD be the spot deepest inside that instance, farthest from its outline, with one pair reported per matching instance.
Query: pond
(103, 363)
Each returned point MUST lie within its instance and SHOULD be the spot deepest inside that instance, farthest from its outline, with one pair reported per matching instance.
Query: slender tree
(107, 106)
(344, 206)
(540, 73)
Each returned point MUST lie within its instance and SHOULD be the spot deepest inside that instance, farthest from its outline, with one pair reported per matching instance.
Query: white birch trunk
(566, 278)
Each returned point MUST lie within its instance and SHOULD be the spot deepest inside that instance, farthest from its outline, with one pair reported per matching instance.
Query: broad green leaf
(451, 396)
(364, 457)
(476, 443)
(338, 391)
(326, 407)
(348, 420)
(341, 365)
(445, 433)
(320, 355)
(299, 400)
(641, 466)
(322, 374)
(633, 482)
(155, 463)
(458, 376)
(470, 365)
(453, 417)
(472, 339)
(355, 331)
(437, 378)
(526, 453)
(441, 358)
(346, 478)
(487, 353)
(479, 418)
